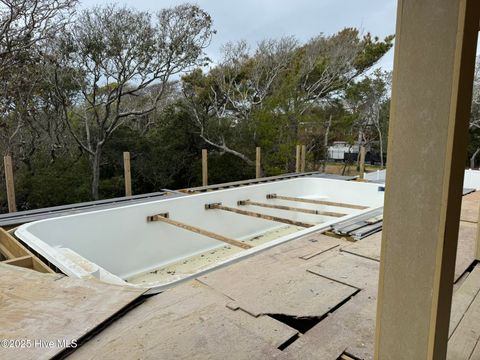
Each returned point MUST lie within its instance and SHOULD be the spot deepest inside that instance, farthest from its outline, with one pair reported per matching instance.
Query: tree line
(79, 87)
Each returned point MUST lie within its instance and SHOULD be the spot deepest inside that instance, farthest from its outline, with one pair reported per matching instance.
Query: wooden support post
(12, 205)
(127, 173)
(258, 166)
(219, 206)
(302, 158)
(362, 162)
(289, 208)
(204, 167)
(435, 49)
(316, 202)
(297, 159)
(165, 218)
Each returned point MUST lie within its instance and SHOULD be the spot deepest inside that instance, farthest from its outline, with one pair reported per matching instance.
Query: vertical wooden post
(302, 157)
(127, 173)
(435, 49)
(204, 167)
(258, 166)
(362, 161)
(7, 162)
(297, 159)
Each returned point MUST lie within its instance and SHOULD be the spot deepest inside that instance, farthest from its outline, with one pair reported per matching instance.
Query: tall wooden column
(258, 162)
(127, 173)
(204, 167)
(432, 84)
(362, 162)
(297, 158)
(10, 187)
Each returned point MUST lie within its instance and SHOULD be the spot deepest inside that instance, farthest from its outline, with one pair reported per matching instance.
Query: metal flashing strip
(22, 217)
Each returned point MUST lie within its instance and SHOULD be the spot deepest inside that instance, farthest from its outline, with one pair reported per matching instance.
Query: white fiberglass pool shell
(119, 246)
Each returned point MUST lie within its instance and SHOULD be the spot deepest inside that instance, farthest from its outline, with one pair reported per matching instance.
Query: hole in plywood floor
(347, 356)
(303, 324)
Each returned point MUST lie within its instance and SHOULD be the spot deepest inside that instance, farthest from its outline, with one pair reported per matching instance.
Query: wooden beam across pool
(290, 208)
(164, 217)
(317, 202)
(219, 206)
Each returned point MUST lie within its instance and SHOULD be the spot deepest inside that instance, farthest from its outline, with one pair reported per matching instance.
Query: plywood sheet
(190, 321)
(465, 337)
(370, 247)
(470, 207)
(52, 307)
(275, 289)
(351, 327)
(466, 247)
(353, 270)
(463, 298)
(307, 248)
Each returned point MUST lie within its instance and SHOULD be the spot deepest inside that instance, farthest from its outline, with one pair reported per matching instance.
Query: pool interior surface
(205, 259)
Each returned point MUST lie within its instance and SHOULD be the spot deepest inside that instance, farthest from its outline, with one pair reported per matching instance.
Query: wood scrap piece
(54, 307)
(189, 321)
(463, 297)
(318, 202)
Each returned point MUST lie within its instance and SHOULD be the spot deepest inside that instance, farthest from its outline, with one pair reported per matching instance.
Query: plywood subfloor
(470, 207)
(53, 307)
(465, 320)
(256, 309)
(371, 245)
(191, 321)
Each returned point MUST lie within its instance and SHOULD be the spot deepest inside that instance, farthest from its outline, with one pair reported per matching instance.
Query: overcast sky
(253, 20)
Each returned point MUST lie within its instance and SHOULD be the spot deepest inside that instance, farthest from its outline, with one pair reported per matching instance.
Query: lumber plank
(258, 215)
(23, 261)
(318, 202)
(200, 231)
(290, 208)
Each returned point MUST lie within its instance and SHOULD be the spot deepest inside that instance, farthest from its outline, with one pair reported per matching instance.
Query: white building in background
(338, 150)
